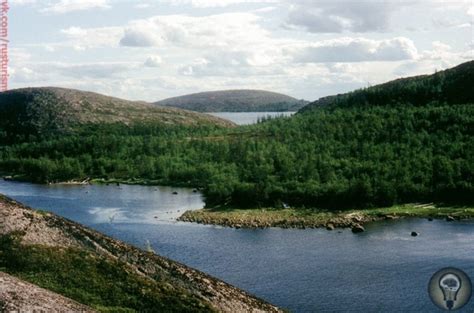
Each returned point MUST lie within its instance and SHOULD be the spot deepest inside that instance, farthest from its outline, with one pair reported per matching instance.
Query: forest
(332, 156)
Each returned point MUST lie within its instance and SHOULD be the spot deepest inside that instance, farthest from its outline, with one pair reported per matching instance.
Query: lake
(246, 118)
(381, 270)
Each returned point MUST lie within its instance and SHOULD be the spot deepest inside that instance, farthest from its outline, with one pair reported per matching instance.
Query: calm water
(381, 270)
(246, 118)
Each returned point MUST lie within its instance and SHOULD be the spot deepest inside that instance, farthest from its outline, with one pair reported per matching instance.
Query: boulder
(330, 227)
(357, 228)
(414, 233)
(449, 218)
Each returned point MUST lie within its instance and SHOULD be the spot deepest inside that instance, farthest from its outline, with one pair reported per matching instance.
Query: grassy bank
(102, 181)
(106, 285)
(310, 218)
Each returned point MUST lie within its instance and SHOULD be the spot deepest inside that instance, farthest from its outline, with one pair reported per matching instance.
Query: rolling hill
(37, 110)
(452, 86)
(235, 101)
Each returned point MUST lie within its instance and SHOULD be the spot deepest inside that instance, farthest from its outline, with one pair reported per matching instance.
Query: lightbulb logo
(450, 288)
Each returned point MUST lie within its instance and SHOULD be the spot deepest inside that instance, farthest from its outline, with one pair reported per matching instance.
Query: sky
(153, 49)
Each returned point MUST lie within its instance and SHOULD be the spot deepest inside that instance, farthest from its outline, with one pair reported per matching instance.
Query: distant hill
(235, 101)
(36, 110)
(454, 85)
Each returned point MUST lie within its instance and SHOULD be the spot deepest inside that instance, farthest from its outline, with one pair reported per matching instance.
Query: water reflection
(95, 204)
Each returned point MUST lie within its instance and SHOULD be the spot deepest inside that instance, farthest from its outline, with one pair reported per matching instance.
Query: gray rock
(357, 228)
(449, 218)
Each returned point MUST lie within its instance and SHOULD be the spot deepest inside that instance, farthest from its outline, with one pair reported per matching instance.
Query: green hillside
(235, 101)
(450, 86)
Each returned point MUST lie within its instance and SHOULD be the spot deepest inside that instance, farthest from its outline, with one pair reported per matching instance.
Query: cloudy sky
(153, 49)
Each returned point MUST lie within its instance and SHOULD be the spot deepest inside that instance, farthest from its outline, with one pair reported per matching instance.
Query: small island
(310, 218)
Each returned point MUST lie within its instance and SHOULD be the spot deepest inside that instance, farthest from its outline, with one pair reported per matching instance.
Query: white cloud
(356, 50)
(214, 3)
(139, 37)
(234, 63)
(153, 61)
(96, 70)
(362, 16)
(66, 6)
(142, 5)
(339, 16)
(24, 74)
(440, 51)
(234, 30)
(470, 11)
(21, 2)
(85, 38)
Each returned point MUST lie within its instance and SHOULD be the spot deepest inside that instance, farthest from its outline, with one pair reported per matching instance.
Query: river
(381, 270)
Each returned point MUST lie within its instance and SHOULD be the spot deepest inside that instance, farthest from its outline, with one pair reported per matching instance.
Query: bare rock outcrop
(20, 296)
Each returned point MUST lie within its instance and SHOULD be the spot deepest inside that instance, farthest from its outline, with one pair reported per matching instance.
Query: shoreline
(103, 181)
(309, 218)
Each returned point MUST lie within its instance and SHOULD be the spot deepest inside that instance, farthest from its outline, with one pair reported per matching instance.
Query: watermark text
(4, 7)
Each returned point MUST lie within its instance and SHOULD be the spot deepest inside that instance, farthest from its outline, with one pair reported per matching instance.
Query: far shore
(311, 218)
(103, 181)
(289, 217)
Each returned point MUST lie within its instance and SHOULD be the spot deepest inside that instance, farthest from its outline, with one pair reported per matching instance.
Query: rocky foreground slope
(19, 296)
(29, 236)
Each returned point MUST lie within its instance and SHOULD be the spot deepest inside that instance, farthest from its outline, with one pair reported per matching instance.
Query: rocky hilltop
(82, 264)
(51, 109)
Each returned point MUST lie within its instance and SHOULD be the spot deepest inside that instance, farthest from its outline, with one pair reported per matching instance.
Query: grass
(251, 218)
(104, 284)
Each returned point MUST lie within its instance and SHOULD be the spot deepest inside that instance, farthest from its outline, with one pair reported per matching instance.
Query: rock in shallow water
(414, 233)
(358, 228)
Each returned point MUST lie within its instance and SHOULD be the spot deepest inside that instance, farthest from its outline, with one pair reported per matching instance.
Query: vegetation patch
(105, 284)
(313, 218)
